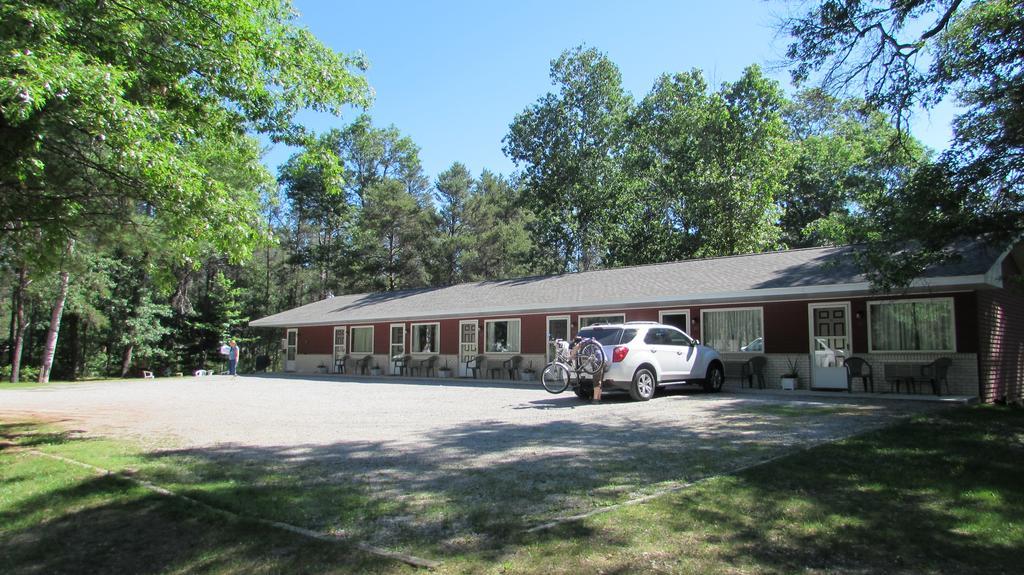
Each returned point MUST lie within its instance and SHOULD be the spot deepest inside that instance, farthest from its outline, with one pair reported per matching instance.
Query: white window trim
(355, 327)
(689, 316)
(334, 347)
(703, 322)
(580, 318)
(549, 347)
(952, 319)
(519, 344)
(412, 337)
(391, 339)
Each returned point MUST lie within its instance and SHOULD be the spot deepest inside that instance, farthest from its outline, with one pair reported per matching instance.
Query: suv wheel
(715, 379)
(643, 384)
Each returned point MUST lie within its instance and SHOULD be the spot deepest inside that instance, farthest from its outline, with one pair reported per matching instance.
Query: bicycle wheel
(590, 357)
(555, 378)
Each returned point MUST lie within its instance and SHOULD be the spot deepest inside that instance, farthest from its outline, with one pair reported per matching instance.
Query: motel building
(809, 307)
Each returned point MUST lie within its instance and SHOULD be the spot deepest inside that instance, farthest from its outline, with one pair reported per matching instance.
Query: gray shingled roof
(775, 275)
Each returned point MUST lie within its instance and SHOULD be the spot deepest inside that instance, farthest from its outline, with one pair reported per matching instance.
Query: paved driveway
(454, 457)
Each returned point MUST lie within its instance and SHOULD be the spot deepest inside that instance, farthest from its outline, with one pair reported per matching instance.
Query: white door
(469, 345)
(290, 349)
(397, 345)
(830, 344)
(558, 328)
(340, 346)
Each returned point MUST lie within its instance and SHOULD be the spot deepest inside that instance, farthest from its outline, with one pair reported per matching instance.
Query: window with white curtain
(502, 336)
(912, 325)
(425, 337)
(738, 329)
(362, 339)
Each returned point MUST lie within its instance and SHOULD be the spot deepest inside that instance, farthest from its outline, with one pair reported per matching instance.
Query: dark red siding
(965, 308)
(449, 336)
(317, 339)
(534, 333)
(859, 325)
(382, 337)
(642, 315)
(786, 328)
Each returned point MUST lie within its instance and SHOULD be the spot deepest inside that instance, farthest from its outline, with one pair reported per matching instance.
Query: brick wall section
(1001, 339)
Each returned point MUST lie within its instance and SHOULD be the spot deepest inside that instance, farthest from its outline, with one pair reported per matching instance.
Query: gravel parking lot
(455, 455)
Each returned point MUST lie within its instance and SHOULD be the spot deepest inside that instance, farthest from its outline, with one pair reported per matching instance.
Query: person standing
(233, 352)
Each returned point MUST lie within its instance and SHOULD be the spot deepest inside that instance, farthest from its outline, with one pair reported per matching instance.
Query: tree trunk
(55, 314)
(19, 315)
(69, 365)
(14, 323)
(126, 359)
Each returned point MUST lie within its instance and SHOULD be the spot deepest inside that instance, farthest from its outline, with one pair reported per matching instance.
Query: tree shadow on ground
(474, 488)
(467, 486)
(149, 533)
(934, 495)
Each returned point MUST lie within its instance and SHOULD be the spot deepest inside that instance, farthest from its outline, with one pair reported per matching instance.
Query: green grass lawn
(940, 494)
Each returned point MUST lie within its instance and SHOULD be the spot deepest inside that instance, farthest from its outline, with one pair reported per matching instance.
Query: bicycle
(588, 359)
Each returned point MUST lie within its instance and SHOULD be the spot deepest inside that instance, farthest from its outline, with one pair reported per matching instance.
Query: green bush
(26, 373)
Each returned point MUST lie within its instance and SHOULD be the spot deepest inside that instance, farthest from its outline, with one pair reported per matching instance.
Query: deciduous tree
(570, 146)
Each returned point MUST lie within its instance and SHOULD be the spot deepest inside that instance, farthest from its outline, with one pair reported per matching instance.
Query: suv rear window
(609, 335)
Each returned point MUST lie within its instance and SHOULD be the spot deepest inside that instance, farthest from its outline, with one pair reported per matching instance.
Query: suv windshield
(608, 335)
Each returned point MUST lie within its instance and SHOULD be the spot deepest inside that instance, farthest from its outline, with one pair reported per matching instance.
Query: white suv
(642, 355)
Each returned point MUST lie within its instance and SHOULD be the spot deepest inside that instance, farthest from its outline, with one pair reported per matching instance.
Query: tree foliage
(710, 166)
(570, 144)
(909, 54)
(165, 269)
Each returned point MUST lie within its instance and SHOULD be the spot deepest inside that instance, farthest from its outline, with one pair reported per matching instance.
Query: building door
(830, 344)
(291, 344)
(469, 345)
(676, 318)
(397, 345)
(340, 347)
(558, 328)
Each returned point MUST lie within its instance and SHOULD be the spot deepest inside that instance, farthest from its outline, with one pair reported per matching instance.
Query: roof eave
(924, 285)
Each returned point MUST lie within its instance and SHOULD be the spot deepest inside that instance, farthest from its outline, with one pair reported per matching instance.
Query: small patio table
(898, 374)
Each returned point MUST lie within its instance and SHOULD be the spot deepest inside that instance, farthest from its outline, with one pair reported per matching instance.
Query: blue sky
(453, 74)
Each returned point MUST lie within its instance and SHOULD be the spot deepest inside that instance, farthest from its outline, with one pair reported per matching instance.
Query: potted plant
(322, 368)
(791, 377)
(529, 374)
(374, 370)
(445, 371)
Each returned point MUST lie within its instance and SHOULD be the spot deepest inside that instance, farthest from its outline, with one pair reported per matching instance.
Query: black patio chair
(936, 373)
(859, 368)
(426, 365)
(476, 365)
(364, 364)
(401, 363)
(512, 365)
(340, 363)
(755, 367)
